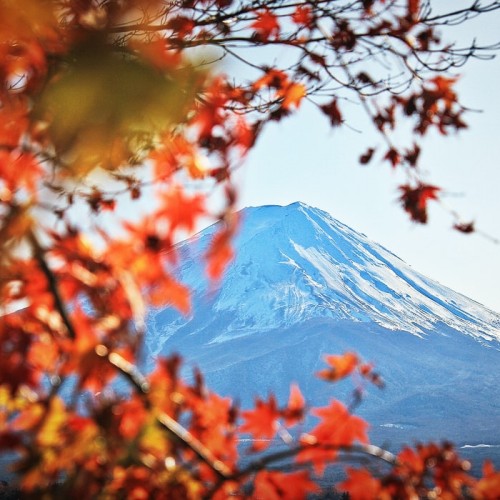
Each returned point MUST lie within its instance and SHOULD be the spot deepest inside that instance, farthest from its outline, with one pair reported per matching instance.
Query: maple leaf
(338, 427)
(393, 157)
(181, 25)
(266, 25)
(413, 9)
(44, 354)
(294, 412)
(488, 487)
(243, 136)
(365, 158)
(367, 6)
(180, 210)
(360, 484)
(53, 423)
(411, 156)
(28, 418)
(340, 366)
(410, 459)
(167, 290)
(366, 371)
(167, 160)
(131, 417)
(443, 88)
(414, 200)
(20, 169)
(13, 121)
(293, 94)
(332, 111)
(262, 422)
(302, 15)
(273, 78)
(221, 251)
(314, 454)
(158, 52)
(210, 114)
(274, 485)
(464, 227)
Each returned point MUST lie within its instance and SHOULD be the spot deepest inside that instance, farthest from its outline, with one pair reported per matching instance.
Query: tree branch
(39, 255)
(141, 385)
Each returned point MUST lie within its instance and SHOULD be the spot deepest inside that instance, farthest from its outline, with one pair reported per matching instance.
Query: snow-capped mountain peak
(296, 262)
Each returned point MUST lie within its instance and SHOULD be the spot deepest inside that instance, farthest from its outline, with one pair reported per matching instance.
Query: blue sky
(302, 159)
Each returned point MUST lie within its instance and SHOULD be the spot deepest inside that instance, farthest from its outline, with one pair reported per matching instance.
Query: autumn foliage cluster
(106, 103)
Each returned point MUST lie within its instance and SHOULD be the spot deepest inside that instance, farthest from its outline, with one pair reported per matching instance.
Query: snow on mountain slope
(295, 263)
(301, 285)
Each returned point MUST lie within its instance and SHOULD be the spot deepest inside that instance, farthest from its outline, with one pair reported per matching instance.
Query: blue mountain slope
(302, 284)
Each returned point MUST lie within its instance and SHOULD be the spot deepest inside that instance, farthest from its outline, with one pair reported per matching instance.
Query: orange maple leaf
(262, 422)
(13, 121)
(338, 427)
(20, 169)
(274, 78)
(220, 252)
(315, 455)
(409, 459)
(274, 485)
(180, 210)
(360, 484)
(488, 487)
(167, 290)
(131, 417)
(293, 95)
(167, 160)
(340, 366)
(294, 412)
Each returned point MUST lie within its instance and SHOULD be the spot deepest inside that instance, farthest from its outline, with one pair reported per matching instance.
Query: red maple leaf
(332, 111)
(181, 25)
(302, 15)
(414, 200)
(365, 158)
(413, 8)
(393, 156)
(464, 227)
(266, 25)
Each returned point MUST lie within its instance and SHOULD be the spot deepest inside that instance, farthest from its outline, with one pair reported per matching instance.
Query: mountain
(303, 284)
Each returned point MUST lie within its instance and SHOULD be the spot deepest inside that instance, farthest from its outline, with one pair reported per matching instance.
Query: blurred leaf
(106, 108)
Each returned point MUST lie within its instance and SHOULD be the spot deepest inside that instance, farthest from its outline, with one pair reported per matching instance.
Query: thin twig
(39, 254)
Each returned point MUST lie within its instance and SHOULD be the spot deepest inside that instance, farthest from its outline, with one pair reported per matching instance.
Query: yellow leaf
(50, 432)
